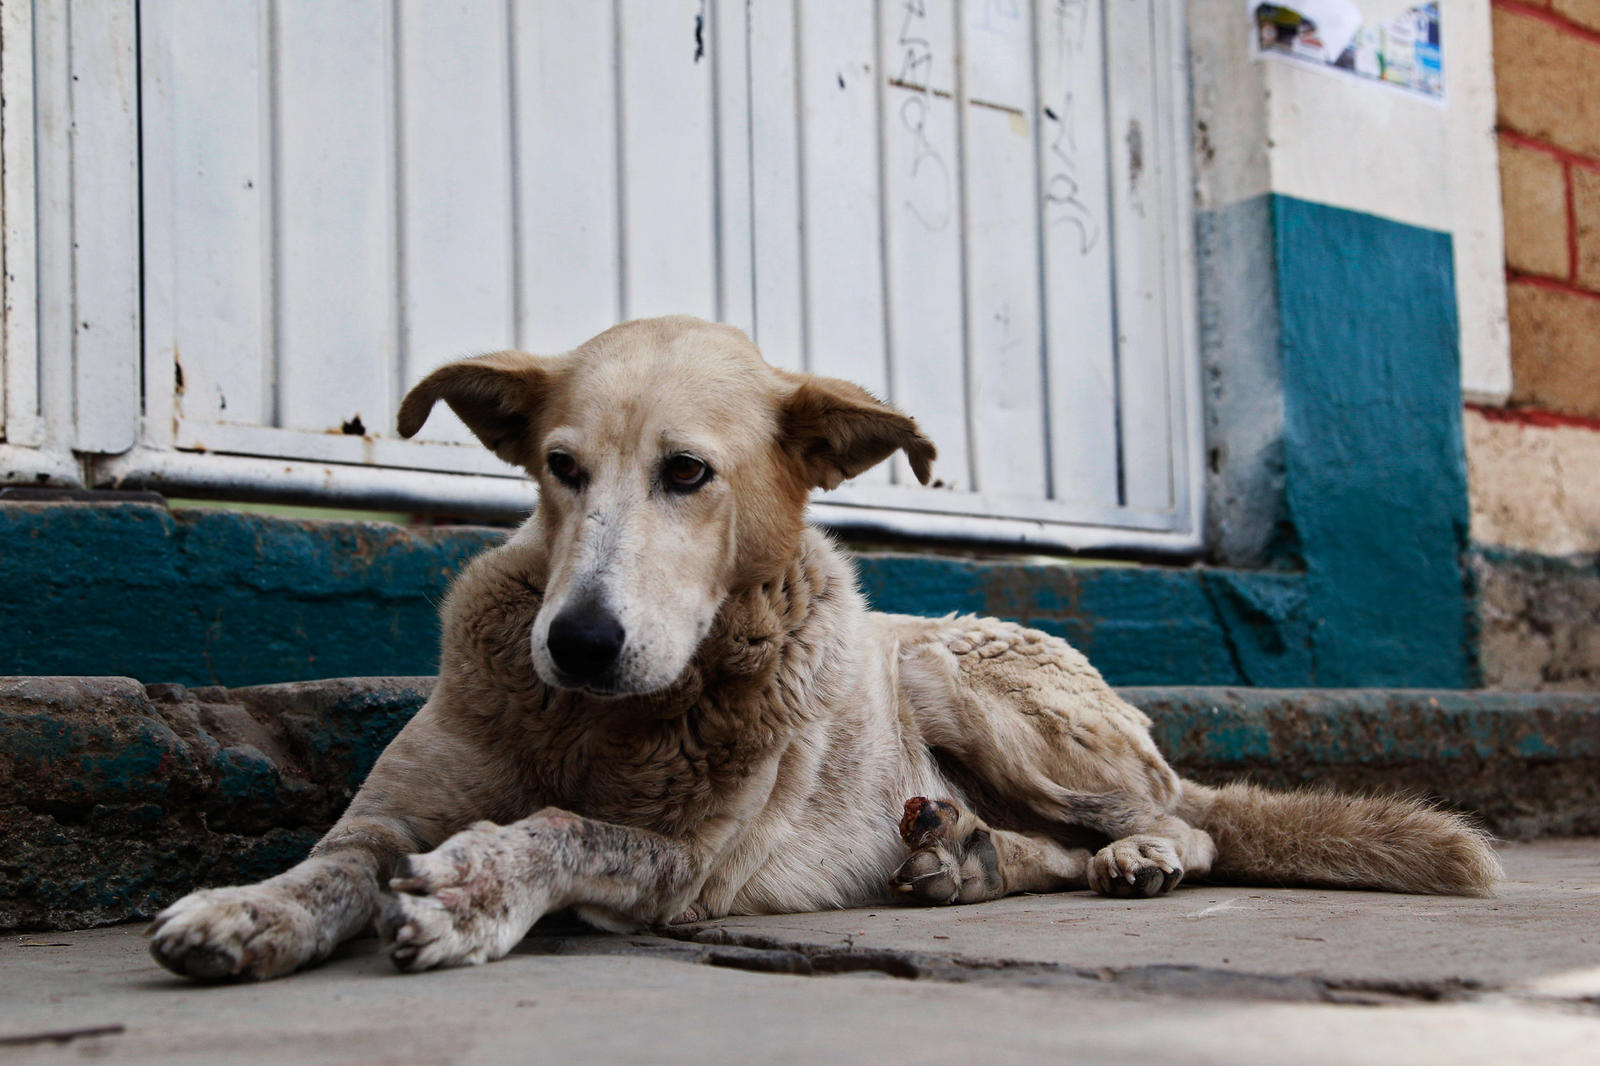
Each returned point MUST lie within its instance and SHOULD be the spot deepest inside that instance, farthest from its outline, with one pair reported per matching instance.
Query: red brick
(1555, 348)
(1548, 82)
(1586, 225)
(1533, 189)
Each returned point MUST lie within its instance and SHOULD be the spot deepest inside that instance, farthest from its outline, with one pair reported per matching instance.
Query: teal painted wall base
(1138, 624)
(214, 597)
(1374, 465)
(1333, 425)
(219, 597)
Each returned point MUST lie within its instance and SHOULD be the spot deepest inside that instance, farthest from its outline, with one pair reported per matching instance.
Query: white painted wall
(1284, 127)
(1479, 226)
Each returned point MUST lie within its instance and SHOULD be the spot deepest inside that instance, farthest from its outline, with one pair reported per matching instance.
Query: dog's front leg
(275, 927)
(431, 780)
(471, 899)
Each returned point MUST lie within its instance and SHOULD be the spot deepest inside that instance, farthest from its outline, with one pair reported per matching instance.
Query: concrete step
(117, 797)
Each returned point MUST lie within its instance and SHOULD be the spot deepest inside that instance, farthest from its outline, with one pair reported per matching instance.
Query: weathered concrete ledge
(1528, 764)
(116, 797)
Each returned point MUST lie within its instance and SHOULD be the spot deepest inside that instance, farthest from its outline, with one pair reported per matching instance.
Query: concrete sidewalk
(1207, 975)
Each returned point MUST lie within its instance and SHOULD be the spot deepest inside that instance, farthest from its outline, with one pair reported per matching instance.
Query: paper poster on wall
(1338, 37)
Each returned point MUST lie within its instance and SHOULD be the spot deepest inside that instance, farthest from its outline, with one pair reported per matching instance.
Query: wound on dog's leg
(475, 896)
(958, 859)
(470, 900)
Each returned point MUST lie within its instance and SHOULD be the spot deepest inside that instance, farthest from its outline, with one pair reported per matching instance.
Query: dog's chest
(668, 776)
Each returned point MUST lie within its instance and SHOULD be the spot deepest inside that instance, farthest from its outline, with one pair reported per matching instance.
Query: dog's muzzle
(585, 641)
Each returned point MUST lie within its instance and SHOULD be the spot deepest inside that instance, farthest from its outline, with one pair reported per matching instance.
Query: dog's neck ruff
(778, 656)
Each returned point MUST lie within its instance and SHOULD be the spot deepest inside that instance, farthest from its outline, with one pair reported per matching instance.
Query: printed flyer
(1329, 34)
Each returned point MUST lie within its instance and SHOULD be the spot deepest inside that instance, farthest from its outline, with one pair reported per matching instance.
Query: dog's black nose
(585, 640)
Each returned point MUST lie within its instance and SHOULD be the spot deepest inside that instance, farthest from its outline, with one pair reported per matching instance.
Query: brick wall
(1534, 465)
(1547, 74)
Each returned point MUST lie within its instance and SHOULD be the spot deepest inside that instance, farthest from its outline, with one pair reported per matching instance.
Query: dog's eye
(564, 468)
(685, 473)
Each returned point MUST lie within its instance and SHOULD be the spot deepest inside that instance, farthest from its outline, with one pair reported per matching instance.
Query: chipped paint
(209, 597)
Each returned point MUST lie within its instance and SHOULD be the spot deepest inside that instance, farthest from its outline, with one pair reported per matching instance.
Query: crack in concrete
(761, 954)
(60, 1036)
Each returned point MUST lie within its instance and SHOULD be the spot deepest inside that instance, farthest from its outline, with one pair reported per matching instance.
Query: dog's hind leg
(956, 858)
(1038, 735)
(1024, 714)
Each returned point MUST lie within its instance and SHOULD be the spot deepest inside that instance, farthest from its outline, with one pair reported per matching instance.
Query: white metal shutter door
(977, 209)
(980, 210)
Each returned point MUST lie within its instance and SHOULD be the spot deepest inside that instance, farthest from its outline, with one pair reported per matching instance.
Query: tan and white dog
(663, 699)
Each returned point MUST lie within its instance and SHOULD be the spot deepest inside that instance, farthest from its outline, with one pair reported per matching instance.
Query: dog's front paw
(251, 932)
(1137, 866)
(466, 902)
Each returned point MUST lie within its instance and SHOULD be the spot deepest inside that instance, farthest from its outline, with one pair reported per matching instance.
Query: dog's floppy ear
(499, 396)
(838, 430)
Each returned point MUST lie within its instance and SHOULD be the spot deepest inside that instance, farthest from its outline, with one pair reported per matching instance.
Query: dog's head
(673, 466)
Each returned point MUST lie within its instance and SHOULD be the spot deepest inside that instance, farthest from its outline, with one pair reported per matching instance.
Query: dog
(664, 700)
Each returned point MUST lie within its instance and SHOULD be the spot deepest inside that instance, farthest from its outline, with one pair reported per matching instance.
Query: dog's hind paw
(953, 858)
(252, 932)
(1135, 867)
(930, 875)
(694, 912)
(459, 905)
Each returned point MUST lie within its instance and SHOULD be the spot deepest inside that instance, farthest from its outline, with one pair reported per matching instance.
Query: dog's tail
(1393, 843)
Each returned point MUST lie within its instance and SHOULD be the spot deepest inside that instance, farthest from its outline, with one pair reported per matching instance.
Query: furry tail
(1393, 843)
